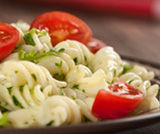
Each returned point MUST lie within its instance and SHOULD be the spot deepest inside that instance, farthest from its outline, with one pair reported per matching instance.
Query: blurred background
(132, 27)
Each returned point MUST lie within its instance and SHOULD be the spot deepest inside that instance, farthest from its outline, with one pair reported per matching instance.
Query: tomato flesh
(116, 101)
(94, 45)
(8, 39)
(62, 26)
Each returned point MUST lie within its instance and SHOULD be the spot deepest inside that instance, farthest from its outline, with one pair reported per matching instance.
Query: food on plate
(62, 26)
(116, 101)
(8, 39)
(51, 77)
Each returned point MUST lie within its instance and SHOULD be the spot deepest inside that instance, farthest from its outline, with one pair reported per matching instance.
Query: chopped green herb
(110, 82)
(6, 103)
(59, 65)
(76, 86)
(127, 68)
(3, 120)
(50, 94)
(114, 73)
(34, 77)
(58, 76)
(32, 56)
(85, 58)
(21, 88)
(50, 123)
(18, 48)
(9, 89)
(75, 60)
(29, 39)
(61, 50)
(16, 71)
(73, 98)
(129, 82)
(61, 91)
(32, 91)
(16, 102)
(26, 123)
(85, 119)
(42, 89)
(83, 90)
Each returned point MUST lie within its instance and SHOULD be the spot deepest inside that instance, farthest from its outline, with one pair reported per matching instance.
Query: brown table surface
(131, 37)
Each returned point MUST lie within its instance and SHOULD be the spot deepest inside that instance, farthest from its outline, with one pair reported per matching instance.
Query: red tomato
(62, 26)
(94, 45)
(8, 39)
(117, 101)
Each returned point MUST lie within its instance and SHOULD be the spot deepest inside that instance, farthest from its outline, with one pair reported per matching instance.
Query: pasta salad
(54, 73)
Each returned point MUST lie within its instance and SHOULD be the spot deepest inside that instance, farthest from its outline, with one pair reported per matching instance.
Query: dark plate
(103, 126)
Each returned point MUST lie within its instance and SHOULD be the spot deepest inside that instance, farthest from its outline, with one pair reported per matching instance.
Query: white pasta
(74, 53)
(150, 91)
(77, 51)
(142, 72)
(87, 81)
(22, 27)
(108, 60)
(56, 110)
(42, 85)
(86, 108)
(34, 78)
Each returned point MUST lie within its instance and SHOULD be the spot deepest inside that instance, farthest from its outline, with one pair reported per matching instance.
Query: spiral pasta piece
(85, 106)
(25, 84)
(81, 78)
(109, 61)
(23, 72)
(22, 27)
(56, 110)
(74, 53)
(150, 91)
(142, 72)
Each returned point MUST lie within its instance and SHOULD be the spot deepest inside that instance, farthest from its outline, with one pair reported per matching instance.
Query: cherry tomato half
(94, 45)
(116, 101)
(8, 39)
(62, 26)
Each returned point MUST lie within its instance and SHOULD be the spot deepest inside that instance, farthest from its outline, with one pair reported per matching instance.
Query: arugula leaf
(3, 120)
(127, 68)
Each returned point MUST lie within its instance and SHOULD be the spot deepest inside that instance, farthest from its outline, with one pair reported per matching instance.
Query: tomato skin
(109, 105)
(94, 45)
(8, 39)
(62, 26)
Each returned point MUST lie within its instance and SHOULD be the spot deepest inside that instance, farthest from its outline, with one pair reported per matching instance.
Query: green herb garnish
(75, 86)
(33, 56)
(21, 88)
(3, 120)
(127, 68)
(73, 98)
(75, 60)
(34, 77)
(59, 65)
(9, 89)
(16, 102)
(28, 37)
(58, 76)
